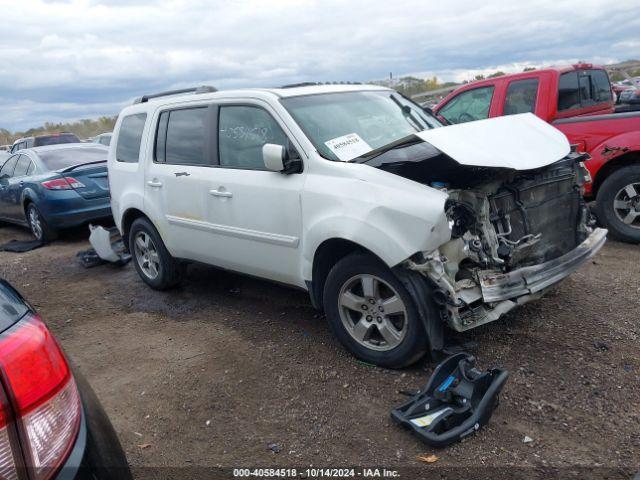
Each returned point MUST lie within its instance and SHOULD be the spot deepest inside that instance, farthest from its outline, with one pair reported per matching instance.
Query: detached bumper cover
(497, 287)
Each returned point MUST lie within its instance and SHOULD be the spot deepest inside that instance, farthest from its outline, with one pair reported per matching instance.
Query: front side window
(366, 120)
(181, 138)
(521, 96)
(586, 89)
(468, 106)
(601, 85)
(130, 138)
(243, 131)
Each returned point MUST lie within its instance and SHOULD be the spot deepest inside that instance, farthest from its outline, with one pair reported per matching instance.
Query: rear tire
(39, 226)
(618, 204)
(152, 260)
(372, 314)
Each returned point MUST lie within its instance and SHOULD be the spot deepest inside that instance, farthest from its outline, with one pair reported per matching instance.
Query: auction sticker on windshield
(348, 147)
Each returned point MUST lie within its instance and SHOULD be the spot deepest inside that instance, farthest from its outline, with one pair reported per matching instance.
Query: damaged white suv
(396, 225)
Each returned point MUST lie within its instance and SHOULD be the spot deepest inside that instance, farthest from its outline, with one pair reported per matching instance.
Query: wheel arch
(130, 216)
(328, 253)
(624, 160)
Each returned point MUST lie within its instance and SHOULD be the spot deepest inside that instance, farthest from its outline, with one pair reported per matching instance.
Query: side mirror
(273, 156)
(278, 158)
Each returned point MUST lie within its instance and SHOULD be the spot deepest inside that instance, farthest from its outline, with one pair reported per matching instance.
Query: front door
(254, 214)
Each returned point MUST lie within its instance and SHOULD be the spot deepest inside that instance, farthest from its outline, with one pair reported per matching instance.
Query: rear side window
(182, 137)
(468, 106)
(55, 139)
(243, 131)
(568, 92)
(601, 85)
(130, 138)
(7, 168)
(521, 96)
(22, 166)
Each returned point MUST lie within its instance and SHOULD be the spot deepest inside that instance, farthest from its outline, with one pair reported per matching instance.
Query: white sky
(64, 60)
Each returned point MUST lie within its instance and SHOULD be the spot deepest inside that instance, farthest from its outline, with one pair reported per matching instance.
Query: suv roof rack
(194, 90)
(311, 84)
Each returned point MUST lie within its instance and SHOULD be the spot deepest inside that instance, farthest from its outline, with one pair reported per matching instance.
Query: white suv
(396, 225)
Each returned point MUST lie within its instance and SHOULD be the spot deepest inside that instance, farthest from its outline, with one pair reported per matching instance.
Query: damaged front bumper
(469, 304)
(497, 286)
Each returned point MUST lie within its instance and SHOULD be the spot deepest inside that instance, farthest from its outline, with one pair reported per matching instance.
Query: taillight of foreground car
(65, 183)
(40, 403)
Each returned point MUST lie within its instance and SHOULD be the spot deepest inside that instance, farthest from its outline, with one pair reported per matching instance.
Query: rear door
(6, 173)
(176, 180)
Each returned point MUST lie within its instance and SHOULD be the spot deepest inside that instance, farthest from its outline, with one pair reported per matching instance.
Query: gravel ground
(228, 371)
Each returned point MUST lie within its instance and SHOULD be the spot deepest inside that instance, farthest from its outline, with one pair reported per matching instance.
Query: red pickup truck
(578, 101)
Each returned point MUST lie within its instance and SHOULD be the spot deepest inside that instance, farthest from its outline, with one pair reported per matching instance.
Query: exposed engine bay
(514, 233)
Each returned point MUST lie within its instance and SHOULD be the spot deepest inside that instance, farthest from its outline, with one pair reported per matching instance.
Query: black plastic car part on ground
(456, 402)
(51, 424)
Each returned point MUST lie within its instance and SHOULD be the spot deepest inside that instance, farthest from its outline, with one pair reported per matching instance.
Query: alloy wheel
(147, 255)
(373, 312)
(626, 205)
(35, 223)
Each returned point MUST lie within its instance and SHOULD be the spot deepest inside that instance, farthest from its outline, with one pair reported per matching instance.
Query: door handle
(154, 183)
(181, 174)
(220, 193)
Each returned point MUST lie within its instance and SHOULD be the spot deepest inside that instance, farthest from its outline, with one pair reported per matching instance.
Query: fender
(607, 151)
(128, 200)
(392, 238)
(29, 194)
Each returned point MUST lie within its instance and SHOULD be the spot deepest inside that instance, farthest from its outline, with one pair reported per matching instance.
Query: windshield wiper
(407, 113)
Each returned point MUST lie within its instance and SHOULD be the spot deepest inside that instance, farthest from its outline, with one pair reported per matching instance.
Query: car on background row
(55, 187)
(41, 140)
(102, 139)
(52, 426)
(396, 225)
(578, 101)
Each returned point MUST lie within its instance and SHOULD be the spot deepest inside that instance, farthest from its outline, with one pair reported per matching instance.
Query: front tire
(152, 260)
(372, 314)
(618, 204)
(38, 225)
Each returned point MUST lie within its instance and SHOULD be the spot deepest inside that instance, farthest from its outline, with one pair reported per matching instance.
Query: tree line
(84, 128)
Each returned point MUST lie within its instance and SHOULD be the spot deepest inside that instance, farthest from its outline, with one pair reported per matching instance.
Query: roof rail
(311, 84)
(195, 90)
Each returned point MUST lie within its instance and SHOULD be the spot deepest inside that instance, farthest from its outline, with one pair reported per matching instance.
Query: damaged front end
(512, 239)
(514, 233)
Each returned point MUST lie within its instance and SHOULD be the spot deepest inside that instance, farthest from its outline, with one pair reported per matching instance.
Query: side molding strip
(247, 234)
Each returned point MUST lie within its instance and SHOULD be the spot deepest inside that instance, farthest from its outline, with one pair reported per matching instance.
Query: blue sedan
(54, 187)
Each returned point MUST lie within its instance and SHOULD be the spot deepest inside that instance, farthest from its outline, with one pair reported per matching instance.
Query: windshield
(68, 157)
(346, 125)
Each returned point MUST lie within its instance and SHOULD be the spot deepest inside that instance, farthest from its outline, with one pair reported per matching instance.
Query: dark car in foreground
(51, 423)
(55, 187)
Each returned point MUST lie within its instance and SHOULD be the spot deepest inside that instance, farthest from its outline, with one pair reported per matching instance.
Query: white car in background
(395, 225)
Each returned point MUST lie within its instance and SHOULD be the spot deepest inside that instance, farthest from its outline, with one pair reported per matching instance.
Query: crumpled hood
(521, 142)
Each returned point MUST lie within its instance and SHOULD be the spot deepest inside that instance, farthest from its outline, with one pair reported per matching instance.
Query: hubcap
(372, 312)
(626, 205)
(35, 223)
(147, 255)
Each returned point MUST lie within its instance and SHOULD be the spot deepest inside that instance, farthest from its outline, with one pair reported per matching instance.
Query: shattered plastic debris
(527, 439)
(108, 246)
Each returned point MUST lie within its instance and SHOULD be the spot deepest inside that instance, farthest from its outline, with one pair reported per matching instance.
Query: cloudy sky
(71, 59)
